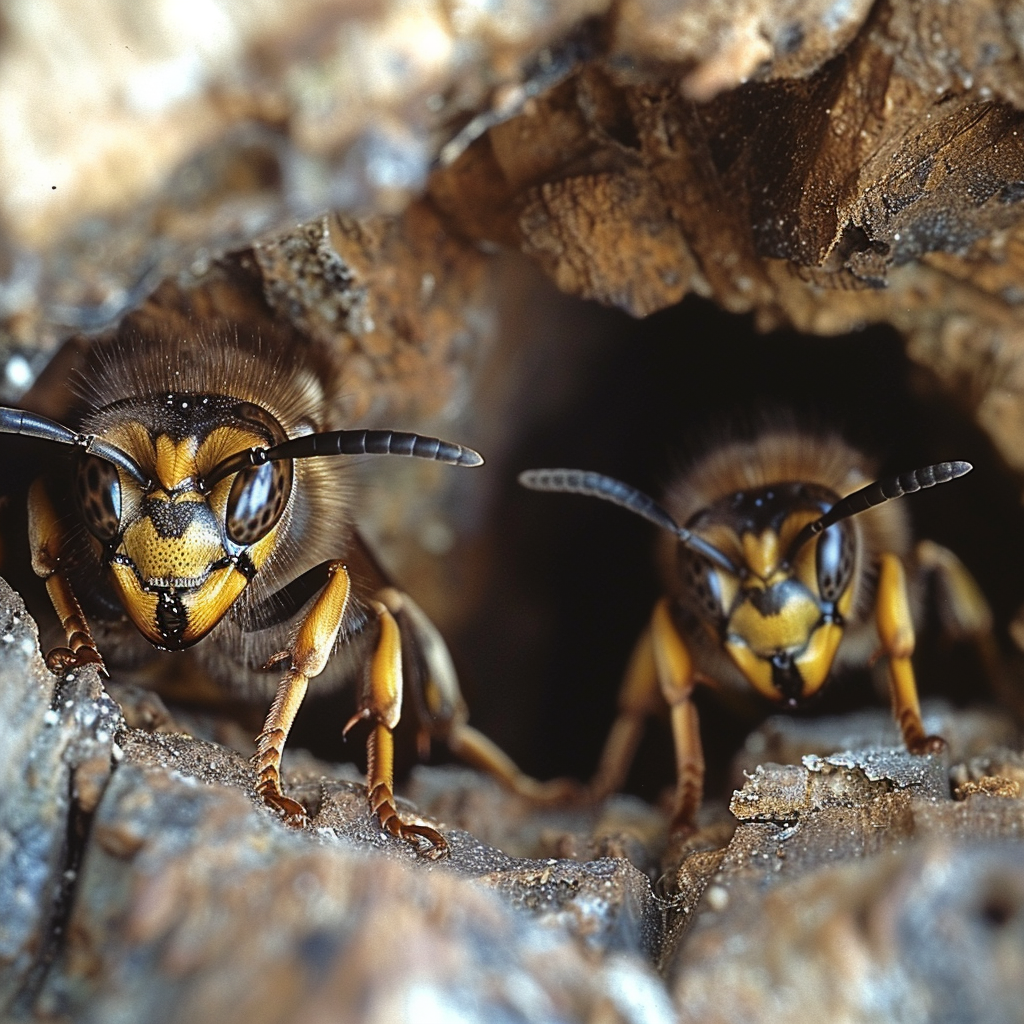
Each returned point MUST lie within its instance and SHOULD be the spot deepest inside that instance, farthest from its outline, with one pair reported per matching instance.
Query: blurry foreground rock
(855, 889)
(139, 880)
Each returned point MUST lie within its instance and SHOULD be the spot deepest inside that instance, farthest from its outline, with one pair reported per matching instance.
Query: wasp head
(179, 553)
(769, 570)
(777, 608)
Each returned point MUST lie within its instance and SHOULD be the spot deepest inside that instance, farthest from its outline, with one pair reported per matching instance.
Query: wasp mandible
(209, 504)
(782, 561)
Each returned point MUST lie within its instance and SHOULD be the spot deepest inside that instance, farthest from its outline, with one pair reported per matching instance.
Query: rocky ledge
(140, 880)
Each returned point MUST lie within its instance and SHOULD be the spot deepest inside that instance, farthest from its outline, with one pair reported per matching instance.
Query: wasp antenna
(881, 491)
(376, 442)
(597, 485)
(348, 442)
(29, 424)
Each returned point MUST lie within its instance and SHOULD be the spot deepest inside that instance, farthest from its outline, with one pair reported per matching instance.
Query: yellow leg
(896, 631)
(963, 610)
(382, 702)
(442, 712)
(473, 747)
(676, 677)
(966, 615)
(46, 542)
(639, 697)
(309, 654)
(660, 670)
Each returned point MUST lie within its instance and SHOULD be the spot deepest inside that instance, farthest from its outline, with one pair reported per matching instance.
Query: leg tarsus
(689, 765)
(381, 798)
(60, 660)
(270, 747)
(291, 811)
(616, 757)
(473, 747)
(896, 632)
(928, 745)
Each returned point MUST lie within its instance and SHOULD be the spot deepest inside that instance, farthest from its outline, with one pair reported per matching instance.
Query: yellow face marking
(761, 553)
(845, 602)
(207, 605)
(140, 606)
(724, 539)
(262, 549)
(175, 463)
(184, 560)
(815, 663)
(728, 587)
(132, 436)
(766, 634)
(757, 671)
(223, 442)
(793, 524)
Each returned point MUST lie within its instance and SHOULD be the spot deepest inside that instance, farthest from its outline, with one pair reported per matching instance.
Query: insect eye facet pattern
(784, 561)
(209, 502)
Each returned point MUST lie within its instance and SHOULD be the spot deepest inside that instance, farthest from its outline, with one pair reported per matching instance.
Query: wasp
(783, 560)
(208, 506)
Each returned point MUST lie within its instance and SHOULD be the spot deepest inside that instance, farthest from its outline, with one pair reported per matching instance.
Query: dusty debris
(163, 889)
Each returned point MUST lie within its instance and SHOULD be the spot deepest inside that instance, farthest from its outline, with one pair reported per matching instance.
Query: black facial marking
(173, 518)
(244, 565)
(180, 415)
(773, 600)
(786, 677)
(764, 508)
(171, 619)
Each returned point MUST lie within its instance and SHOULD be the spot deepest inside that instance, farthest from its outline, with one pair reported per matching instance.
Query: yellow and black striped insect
(781, 562)
(209, 503)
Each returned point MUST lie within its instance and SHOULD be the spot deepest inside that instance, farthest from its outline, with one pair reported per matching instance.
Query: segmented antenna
(878, 492)
(597, 485)
(29, 424)
(348, 442)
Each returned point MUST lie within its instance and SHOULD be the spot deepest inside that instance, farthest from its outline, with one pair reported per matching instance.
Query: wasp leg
(382, 702)
(660, 671)
(676, 678)
(443, 713)
(896, 631)
(966, 615)
(46, 541)
(639, 697)
(309, 653)
(963, 610)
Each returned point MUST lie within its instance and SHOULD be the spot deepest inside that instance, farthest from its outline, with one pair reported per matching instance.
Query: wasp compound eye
(834, 561)
(98, 491)
(257, 499)
(704, 586)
